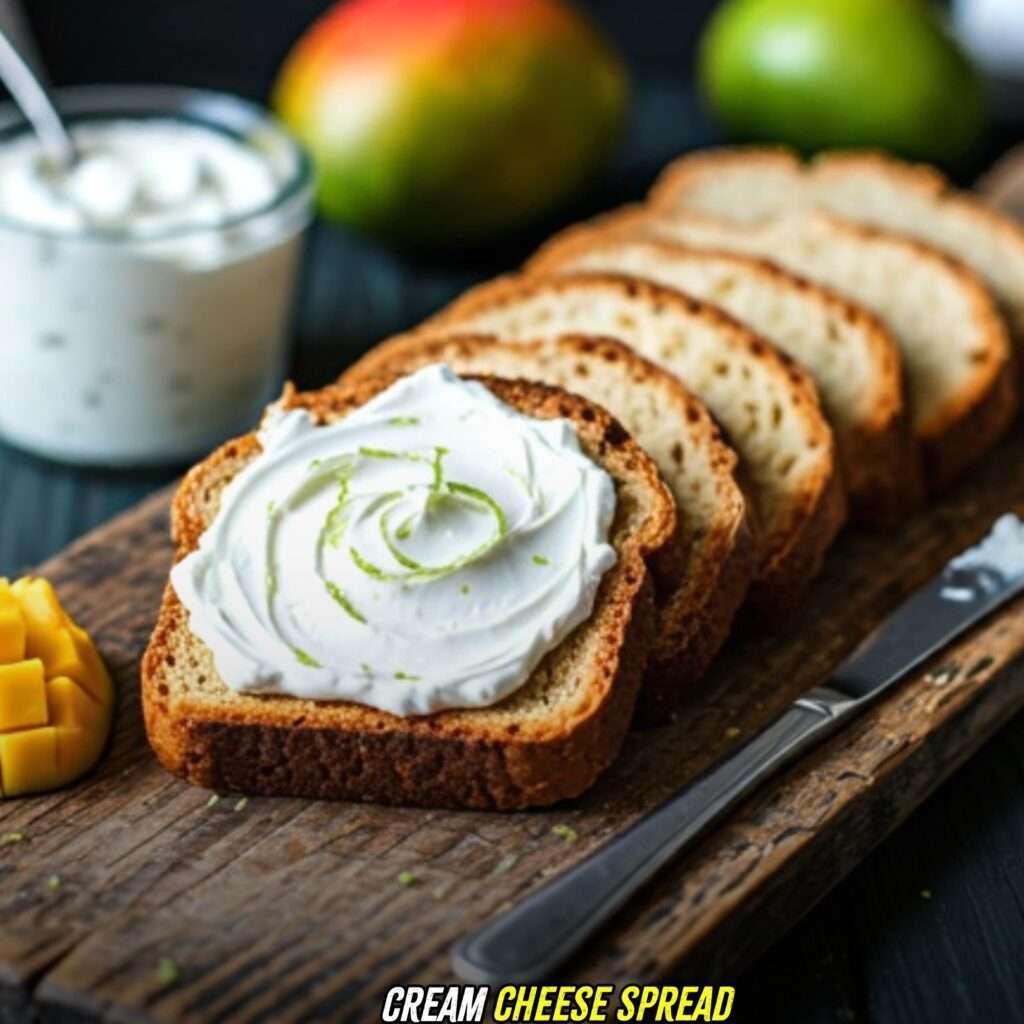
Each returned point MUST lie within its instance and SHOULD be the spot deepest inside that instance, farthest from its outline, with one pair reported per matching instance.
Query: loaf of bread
(548, 740)
(766, 405)
(700, 579)
(854, 360)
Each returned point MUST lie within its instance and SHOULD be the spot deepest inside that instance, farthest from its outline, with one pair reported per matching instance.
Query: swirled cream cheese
(423, 553)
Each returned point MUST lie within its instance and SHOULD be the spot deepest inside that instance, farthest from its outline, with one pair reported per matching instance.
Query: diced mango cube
(71, 706)
(12, 626)
(44, 616)
(22, 695)
(28, 761)
(78, 750)
(96, 678)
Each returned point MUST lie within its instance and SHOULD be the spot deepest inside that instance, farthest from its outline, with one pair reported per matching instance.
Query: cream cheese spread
(138, 178)
(423, 553)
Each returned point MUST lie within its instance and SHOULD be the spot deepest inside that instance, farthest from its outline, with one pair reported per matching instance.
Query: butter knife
(530, 941)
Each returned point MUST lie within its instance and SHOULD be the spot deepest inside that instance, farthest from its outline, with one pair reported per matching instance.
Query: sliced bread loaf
(767, 405)
(702, 578)
(547, 741)
(848, 351)
(917, 200)
(956, 351)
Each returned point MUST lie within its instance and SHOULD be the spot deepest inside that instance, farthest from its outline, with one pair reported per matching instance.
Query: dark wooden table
(929, 928)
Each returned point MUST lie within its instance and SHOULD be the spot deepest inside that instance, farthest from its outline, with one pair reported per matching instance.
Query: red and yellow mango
(447, 121)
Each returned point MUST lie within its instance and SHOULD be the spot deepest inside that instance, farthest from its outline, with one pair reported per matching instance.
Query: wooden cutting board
(290, 909)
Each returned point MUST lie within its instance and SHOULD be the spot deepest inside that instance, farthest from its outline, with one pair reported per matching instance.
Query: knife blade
(534, 938)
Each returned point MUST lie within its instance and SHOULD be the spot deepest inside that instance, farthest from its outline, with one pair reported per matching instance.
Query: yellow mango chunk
(22, 695)
(28, 761)
(44, 616)
(56, 696)
(12, 626)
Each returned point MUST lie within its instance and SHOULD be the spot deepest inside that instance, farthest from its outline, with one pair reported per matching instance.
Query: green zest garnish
(53, 883)
(346, 605)
(365, 669)
(379, 453)
(167, 971)
(213, 801)
(566, 832)
(404, 421)
(271, 584)
(541, 560)
(12, 837)
(240, 805)
(306, 659)
(406, 678)
(406, 878)
(464, 589)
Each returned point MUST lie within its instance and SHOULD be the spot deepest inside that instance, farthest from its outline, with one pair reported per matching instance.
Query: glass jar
(121, 350)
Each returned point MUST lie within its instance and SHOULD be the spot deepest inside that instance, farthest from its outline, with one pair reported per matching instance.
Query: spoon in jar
(33, 98)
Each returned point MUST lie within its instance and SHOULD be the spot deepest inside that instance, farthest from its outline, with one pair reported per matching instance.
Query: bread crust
(881, 462)
(700, 584)
(284, 746)
(796, 542)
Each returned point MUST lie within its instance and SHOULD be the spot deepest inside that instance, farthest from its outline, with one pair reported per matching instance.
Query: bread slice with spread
(956, 351)
(854, 360)
(547, 739)
(766, 405)
(871, 187)
(703, 577)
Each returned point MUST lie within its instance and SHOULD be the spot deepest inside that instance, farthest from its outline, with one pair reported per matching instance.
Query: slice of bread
(767, 405)
(701, 579)
(547, 741)
(917, 200)
(850, 354)
(956, 351)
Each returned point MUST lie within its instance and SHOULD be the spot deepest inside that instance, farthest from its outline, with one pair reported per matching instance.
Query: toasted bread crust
(796, 543)
(881, 462)
(291, 747)
(700, 584)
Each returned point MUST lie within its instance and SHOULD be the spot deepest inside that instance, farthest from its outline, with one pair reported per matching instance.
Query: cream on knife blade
(422, 553)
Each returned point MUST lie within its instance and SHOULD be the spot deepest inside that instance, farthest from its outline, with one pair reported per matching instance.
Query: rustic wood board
(288, 909)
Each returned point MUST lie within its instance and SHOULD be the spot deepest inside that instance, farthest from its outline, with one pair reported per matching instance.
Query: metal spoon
(33, 97)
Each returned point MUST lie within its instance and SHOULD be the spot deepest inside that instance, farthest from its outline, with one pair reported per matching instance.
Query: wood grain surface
(133, 896)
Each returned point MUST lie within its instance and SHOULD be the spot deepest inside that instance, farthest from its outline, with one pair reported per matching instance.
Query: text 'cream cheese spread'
(422, 553)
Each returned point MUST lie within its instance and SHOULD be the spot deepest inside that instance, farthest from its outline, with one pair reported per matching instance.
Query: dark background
(877, 949)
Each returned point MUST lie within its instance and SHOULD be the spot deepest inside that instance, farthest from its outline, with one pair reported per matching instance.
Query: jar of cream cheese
(147, 291)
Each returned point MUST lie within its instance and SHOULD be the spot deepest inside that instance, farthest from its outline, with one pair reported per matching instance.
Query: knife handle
(535, 937)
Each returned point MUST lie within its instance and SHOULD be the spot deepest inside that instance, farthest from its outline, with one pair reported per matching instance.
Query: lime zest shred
(214, 800)
(379, 453)
(306, 659)
(404, 421)
(464, 589)
(406, 677)
(53, 883)
(406, 878)
(167, 972)
(540, 560)
(9, 838)
(241, 804)
(565, 832)
(343, 602)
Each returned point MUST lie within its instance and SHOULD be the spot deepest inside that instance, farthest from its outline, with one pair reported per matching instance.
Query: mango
(442, 122)
(12, 626)
(56, 696)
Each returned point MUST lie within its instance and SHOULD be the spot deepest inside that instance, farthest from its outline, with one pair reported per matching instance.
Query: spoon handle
(34, 99)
